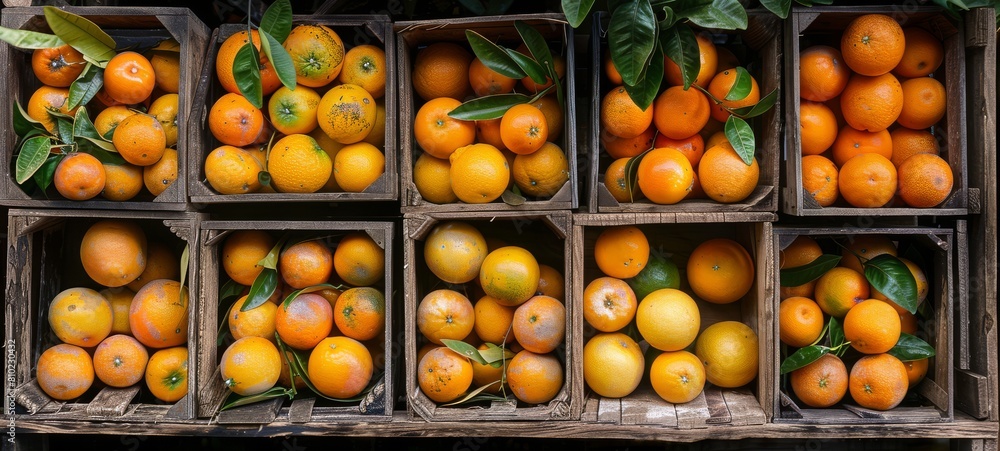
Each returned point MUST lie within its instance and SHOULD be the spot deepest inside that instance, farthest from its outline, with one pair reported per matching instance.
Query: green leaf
(81, 34)
(23, 124)
(473, 396)
(780, 8)
(262, 289)
(85, 87)
(513, 197)
(185, 258)
(234, 400)
(25, 39)
(741, 87)
(494, 56)
(246, 71)
(836, 331)
(644, 92)
(576, 11)
(279, 58)
(539, 49)
(761, 107)
(681, 46)
(264, 178)
(323, 286)
(890, 276)
(740, 135)
(803, 357)
(466, 350)
(723, 14)
(494, 354)
(43, 176)
(101, 148)
(64, 127)
(271, 259)
(487, 107)
(535, 71)
(277, 20)
(83, 127)
(910, 348)
(799, 275)
(631, 38)
(32, 156)
(231, 289)
(632, 173)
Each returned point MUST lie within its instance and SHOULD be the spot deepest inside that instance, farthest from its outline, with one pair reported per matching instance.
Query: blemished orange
(438, 134)
(865, 247)
(819, 179)
(140, 139)
(907, 143)
(293, 112)
(871, 103)
(553, 113)
(551, 282)
(255, 322)
(232, 170)
(840, 289)
(444, 375)
(164, 109)
(510, 275)
(800, 321)
(614, 181)
(167, 374)
(539, 324)
(364, 65)
(486, 81)
(618, 147)
(57, 66)
(80, 316)
(925, 180)
(621, 117)
(535, 378)
(493, 321)
(609, 304)
(665, 176)
(523, 129)
(64, 372)
(298, 164)
(677, 376)
(693, 147)
(719, 88)
(432, 178)
(612, 364)
(79, 176)
(916, 370)
(708, 59)
(129, 78)
(925, 102)
(441, 70)
(305, 321)
(822, 73)
(359, 260)
(227, 54)
(159, 176)
(817, 127)
(621, 251)
(113, 252)
(235, 121)
(122, 181)
(488, 376)
(357, 166)
(242, 252)
(668, 319)
(167, 70)
(872, 44)
(360, 313)
(821, 383)
(454, 251)
(161, 263)
(480, 173)
(305, 264)
(852, 142)
(347, 113)
(340, 367)
(728, 349)
(679, 113)
(445, 314)
(109, 118)
(317, 52)
(720, 271)
(543, 172)
(158, 316)
(878, 382)
(47, 98)
(725, 177)
(120, 299)
(922, 55)
(250, 366)
(120, 361)
(867, 181)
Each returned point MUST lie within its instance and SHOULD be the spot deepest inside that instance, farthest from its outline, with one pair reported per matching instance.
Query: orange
(708, 62)
(621, 117)
(488, 375)
(725, 177)
(298, 164)
(376, 136)
(161, 263)
(535, 378)
(359, 260)
(851, 142)
(668, 319)
(553, 113)
(79, 176)
(693, 147)
(113, 252)
(432, 178)
(720, 271)
(45, 99)
(719, 88)
(819, 179)
(822, 383)
(802, 251)
(445, 314)
(317, 54)
(678, 376)
(559, 64)
(510, 275)
(242, 252)
(454, 251)
(916, 370)
(907, 143)
(540, 324)
(227, 54)
(80, 316)
(800, 321)
(551, 282)
(621, 251)
(306, 264)
(665, 176)
(922, 54)
(924, 103)
(541, 173)
(728, 349)
(364, 65)
(609, 304)
(340, 367)
(164, 109)
(907, 320)
(120, 361)
(488, 132)
(166, 374)
(872, 44)
(486, 81)
(878, 382)
(360, 313)
(293, 112)
(158, 315)
(140, 139)
(871, 103)
(232, 170)
(158, 176)
(817, 127)
(610, 70)
(444, 375)
(479, 173)
(285, 378)
(129, 78)
(612, 364)
(614, 181)
(925, 180)
(840, 289)
(679, 113)
(441, 70)
(64, 372)
(439, 134)
(120, 300)
(235, 121)
(347, 113)
(357, 166)
(493, 321)
(57, 66)
(255, 322)
(108, 119)
(305, 321)
(867, 180)
(523, 129)
(822, 73)
(629, 147)
(250, 366)
(167, 70)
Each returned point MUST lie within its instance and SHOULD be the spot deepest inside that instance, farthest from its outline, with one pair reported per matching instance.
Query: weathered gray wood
(717, 410)
(112, 401)
(972, 393)
(589, 414)
(645, 407)
(744, 407)
(256, 413)
(693, 414)
(610, 411)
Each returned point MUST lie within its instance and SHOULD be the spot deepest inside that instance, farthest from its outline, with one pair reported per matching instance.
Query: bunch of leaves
(275, 25)
(494, 356)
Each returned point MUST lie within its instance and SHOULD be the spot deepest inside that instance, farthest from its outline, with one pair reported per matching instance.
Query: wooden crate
(353, 30)
(414, 35)
(762, 43)
(130, 26)
(824, 25)
(548, 236)
(716, 407)
(212, 392)
(43, 259)
(936, 248)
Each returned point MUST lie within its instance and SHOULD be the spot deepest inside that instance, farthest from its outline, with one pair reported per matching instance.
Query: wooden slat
(744, 408)
(589, 414)
(301, 410)
(257, 413)
(717, 410)
(112, 401)
(645, 407)
(972, 393)
(610, 411)
(694, 414)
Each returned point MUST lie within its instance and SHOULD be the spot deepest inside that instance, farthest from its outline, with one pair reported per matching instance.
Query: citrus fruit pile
(476, 161)
(868, 113)
(330, 129)
(867, 326)
(518, 319)
(335, 320)
(133, 329)
(689, 156)
(641, 289)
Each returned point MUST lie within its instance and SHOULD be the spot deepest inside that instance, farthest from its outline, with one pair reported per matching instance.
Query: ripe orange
(439, 134)
(441, 70)
(668, 319)
(129, 78)
(840, 289)
(851, 142)
(159, 176)
(559, 64)
(305, 321)
(872, 44)
(610, 70)
(924, 103)
(293, 112)
(728, 349)
(298, 164)
(158, 315)
(539, 324)
(621, 251)
(907, 320)
(708, 58)
(364, 65)
(621, 117)
(306, 264)
(57, 66)
(535, 378)
(120, 361)
(925, 180)
(680, 113)
(822, 73)
(724, 176)
(523, 129)
(665, 176)
(445, 314)
(720, 271)
(866, 247)
(232, 170)
(915, 371)
(164, 109)
(140, 139)
(45, 99)
(444, 375)
(871, 103)
(878, 382)
(242, 252)
(250, 366)
(614, 181)
(819, 179)
(628, 147)
(719, 88)
(609, 304)
(347, 113)
(551, 283)
(454, 251)
(612, 364)
(360, 313)
(867, 180)
(167, 70)
(113, 252)
(167, 374)
(120, 299)
(510, 275)
(161, 263)
(317, 54)
(340, 367)
(486, 81)
(693, 147)
(432, 178)
(493, 321)
(227, 54)
(108, 119)
(376, 136)
(64, 372)
(677, 376)
(922, 54)
(255, 322)
(79, 176)
(553, 113)
(359, 260)
(235, 121)
(800, 321)
(541, 173)
(817, 127)
(488, 132)
(479, 173)
(822, 383)
(907, 143)
(80, 316)
(802, 251)
(357, 166)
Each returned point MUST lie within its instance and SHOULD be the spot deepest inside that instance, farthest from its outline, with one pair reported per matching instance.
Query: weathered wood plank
(610, 411)
(693, 414)
(744, 408)
(972, 393)
(112, 401)
(645, 407)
